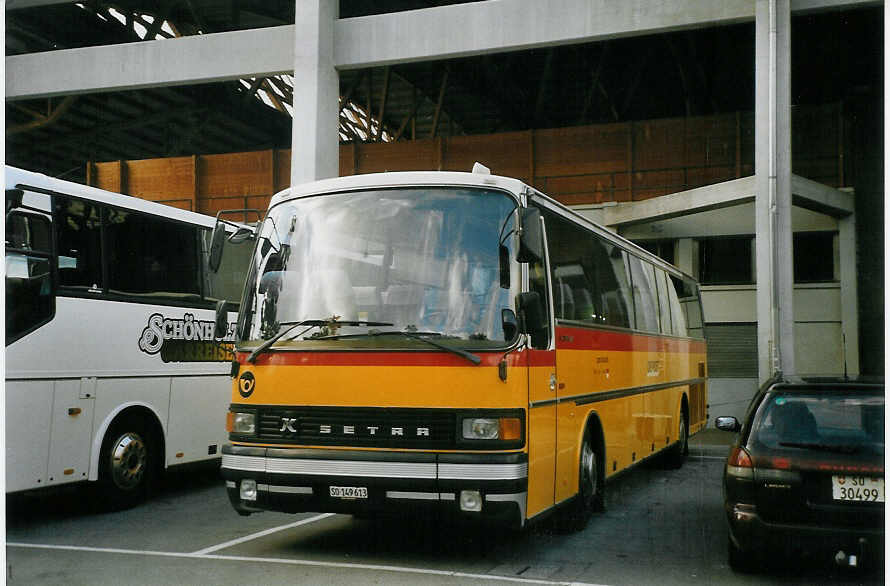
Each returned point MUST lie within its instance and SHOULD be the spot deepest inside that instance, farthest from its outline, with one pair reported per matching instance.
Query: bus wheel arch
(130, 457)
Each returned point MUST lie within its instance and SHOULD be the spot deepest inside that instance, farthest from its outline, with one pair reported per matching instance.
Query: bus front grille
(359, 427)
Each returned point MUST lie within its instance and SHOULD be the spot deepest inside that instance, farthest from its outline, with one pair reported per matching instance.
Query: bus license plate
(349, 492)
(857, 489)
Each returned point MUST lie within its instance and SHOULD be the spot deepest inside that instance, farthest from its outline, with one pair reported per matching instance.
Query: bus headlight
(483, 428)
(241, 423)
(480, 429)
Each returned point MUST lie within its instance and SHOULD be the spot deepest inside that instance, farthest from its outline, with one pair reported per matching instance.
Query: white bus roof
(401, 179)
(15, 177)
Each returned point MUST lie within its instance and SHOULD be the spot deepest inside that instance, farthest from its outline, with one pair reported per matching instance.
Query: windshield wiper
(312, 323)
(421, 336)
(839, 448)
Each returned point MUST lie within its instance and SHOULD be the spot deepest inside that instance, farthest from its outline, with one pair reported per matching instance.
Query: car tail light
(740, 466)
(739, 458)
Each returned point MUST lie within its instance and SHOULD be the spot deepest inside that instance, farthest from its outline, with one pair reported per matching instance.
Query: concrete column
(315, 137)
(849, 292)
(772, 163)
(684, 256)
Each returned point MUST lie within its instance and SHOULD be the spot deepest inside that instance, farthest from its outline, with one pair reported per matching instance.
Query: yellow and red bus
(453, 342)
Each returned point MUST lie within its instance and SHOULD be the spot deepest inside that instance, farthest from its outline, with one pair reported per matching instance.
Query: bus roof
(401, 179)
(19, 177)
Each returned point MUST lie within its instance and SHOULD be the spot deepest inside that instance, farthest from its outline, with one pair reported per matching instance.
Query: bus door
(542, 402)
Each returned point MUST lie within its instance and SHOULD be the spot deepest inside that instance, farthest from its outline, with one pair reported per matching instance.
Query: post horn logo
(246, 384)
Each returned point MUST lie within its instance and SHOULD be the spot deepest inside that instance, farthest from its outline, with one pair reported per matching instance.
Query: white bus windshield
(426, 261)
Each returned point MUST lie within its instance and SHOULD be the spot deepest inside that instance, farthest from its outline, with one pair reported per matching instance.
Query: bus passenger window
(612, 287)
(664, 304)
(678, 319)
(645, 297)
(78, 237)
(151, 256)
(690, 306)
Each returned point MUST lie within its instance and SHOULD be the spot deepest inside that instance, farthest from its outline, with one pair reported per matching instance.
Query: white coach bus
(113, 371)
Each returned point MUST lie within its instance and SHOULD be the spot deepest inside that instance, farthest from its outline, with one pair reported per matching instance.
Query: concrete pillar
(684, 256)
(315, 136)
(849, 293)
(772, 164)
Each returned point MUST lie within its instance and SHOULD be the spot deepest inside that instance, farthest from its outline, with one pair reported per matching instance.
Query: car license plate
(349, 492)
(857, 489)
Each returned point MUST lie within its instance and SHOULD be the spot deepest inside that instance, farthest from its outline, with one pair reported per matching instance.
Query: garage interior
(627, 119)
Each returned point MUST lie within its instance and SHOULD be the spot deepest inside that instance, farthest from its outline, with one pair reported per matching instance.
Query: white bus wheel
(127, 463)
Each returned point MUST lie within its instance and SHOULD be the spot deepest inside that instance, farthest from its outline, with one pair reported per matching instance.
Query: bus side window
(645, 299)
(151, 256)
(537, 282)
(29, 296)
(690, 306)
(678, 318)
(612, 285)
(664, 303)
(78, 237)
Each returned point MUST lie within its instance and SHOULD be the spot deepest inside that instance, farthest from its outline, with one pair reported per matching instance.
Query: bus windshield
(358, 267)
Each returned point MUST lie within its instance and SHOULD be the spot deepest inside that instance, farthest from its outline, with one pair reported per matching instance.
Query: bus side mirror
(221, 324)
(14, 199)
(510, 324)
(217, 240)
(532, 321)
(531, 238)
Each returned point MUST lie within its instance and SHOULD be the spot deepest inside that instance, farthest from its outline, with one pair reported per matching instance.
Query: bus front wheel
(591, 493)
(127, 463)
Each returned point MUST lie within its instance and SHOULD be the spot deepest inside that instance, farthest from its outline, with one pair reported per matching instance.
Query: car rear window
(841, 421)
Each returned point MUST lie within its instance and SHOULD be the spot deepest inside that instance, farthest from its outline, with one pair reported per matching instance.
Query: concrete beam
(514, 25)
(181, 61)
(683, 203)
(815, 196)
(485, 27)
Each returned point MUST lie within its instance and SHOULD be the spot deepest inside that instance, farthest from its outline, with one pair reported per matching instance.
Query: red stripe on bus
(278, 358)
(575, 338)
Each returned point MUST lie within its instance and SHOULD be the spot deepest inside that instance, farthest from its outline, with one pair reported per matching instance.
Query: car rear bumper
(395, 483)
(753, 534)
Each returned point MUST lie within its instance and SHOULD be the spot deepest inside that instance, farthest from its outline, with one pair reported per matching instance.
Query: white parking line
(253, 536)
(318, 564)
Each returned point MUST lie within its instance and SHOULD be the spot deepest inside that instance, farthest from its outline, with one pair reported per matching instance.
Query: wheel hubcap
(129, 458)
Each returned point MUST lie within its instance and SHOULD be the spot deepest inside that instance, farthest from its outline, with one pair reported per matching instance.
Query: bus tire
(128, 462)
(591, 485)
(676, 454)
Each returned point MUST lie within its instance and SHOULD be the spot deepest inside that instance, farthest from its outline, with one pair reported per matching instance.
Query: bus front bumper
(479, 486)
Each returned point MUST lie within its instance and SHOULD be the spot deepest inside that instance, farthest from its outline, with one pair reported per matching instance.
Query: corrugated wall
(629, 161)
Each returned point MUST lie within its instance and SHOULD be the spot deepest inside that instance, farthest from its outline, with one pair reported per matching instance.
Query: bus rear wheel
(676, 454)
(128, 461)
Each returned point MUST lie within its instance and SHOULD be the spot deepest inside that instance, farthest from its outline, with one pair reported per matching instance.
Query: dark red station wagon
(806, 472)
